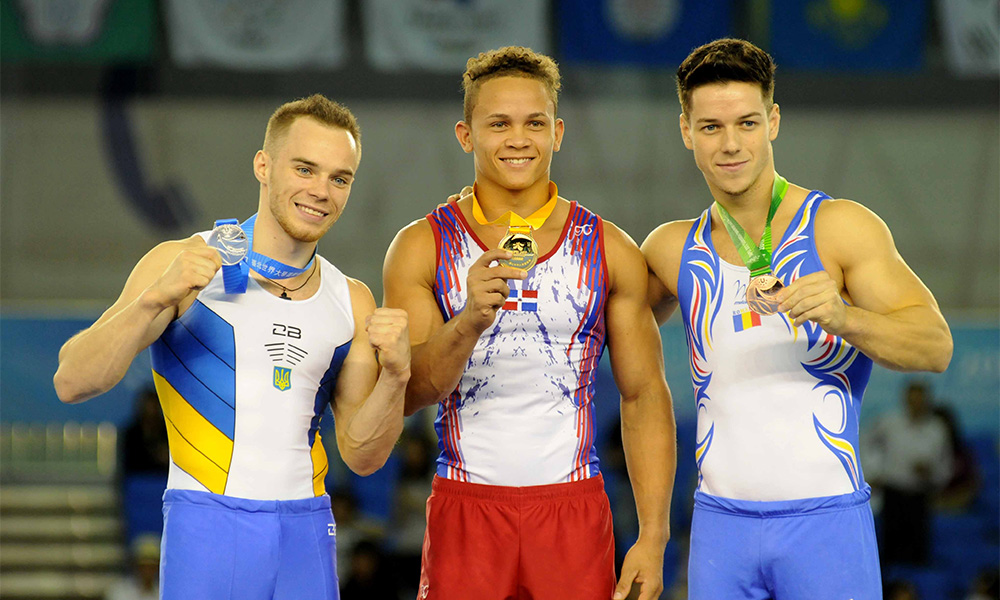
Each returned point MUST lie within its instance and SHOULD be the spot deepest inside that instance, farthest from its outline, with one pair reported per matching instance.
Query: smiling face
(730, 127)
(512, 134)
(307, 177)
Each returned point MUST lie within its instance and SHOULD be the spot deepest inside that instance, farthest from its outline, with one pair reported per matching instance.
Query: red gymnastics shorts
(546, 542)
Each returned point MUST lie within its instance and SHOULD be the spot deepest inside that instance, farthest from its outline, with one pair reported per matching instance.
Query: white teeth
(310, 211)
(516, 161)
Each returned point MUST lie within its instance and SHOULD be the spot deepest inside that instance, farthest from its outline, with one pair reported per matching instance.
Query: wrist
(466, 327)
(153, 300)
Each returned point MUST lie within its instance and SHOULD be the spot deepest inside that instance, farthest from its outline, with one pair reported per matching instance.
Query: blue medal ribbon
(235, 277)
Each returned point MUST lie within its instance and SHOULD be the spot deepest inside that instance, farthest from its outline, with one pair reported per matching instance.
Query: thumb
(624, 585)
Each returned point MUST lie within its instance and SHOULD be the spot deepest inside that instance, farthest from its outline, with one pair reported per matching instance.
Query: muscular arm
(440, 350)
(95, 360)
(662, 250)
(892, 317)
(368, 404)
(648, 429)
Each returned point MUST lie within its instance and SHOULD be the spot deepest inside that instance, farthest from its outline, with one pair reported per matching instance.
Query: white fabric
(271, 452)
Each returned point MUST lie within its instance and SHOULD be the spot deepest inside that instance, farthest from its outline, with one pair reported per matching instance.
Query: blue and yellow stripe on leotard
(324, 396)
(194, 369)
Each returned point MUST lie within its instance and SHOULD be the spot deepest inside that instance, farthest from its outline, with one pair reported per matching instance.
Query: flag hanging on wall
(849, 35)
(441, 35)
(256, 35)
(640, 32)
(79, 31)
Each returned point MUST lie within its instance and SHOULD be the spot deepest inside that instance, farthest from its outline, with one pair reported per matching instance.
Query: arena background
(132, 128)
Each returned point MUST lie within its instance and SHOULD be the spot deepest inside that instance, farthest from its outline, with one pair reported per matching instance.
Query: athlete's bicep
(359, 370)
(633, 338)
(875, 276)
(408, 279)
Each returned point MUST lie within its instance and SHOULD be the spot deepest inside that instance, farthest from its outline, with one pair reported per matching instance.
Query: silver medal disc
(231, 242)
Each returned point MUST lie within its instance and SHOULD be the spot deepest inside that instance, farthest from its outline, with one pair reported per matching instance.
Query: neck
(750, 205)
(495, 200)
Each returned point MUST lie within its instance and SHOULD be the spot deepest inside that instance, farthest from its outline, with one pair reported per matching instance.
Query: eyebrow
(533, 115)
(310, 163)
(741, 118)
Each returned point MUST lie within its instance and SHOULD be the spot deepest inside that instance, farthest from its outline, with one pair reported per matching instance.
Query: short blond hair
(509, 61)
(317, 106)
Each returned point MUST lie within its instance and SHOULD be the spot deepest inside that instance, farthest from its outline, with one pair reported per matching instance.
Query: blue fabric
(642, 33)
(809, 549)
(219, 547)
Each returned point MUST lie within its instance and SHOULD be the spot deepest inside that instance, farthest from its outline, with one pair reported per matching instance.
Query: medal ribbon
(757, 258)
(235, 277)
(516, 223)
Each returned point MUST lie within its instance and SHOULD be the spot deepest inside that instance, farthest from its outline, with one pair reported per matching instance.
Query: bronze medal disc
(524, 250)
(761, 292)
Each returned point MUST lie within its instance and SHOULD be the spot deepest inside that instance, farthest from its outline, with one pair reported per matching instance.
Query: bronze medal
(761, 294)
(522, 246)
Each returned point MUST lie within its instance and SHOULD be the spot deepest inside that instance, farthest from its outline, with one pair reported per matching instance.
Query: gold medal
(518, 241)
(761, 294)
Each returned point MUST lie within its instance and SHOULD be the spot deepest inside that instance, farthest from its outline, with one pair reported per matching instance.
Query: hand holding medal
(763, 287)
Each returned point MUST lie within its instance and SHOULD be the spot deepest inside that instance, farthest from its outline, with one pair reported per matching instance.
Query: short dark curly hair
(722, 61)
(509, 61)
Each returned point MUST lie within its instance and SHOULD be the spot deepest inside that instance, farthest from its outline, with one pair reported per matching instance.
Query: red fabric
(547, 542)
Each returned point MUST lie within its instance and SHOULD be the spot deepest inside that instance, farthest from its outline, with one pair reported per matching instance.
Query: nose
(517, 138)
(318, 189)
(731, 142)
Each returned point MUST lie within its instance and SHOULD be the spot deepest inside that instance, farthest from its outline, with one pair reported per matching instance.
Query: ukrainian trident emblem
(282, 378)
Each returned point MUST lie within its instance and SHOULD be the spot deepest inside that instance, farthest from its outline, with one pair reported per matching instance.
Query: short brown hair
(722, 61)
(317, 106)
(509, 61)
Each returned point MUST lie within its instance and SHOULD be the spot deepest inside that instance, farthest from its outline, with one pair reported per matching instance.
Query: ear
(559, 129)
(773, 122)
(261, 165)
(464, 135)
(686, 132)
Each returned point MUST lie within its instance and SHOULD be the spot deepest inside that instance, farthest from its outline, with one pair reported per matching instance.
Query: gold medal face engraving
(523, 247)
(761, 294)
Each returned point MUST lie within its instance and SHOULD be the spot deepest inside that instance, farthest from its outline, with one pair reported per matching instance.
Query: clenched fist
(389, 335)
(487, 289)
(192, 269)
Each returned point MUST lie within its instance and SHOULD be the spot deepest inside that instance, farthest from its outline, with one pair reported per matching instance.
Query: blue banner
(855, 35)
(642, 32)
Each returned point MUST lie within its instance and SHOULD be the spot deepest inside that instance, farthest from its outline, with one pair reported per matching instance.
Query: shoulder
(624, 259)
(664, 245)
(846, 229)
(412, 254)
(414, 235)
(668, 236)
(362, 298)
(840, 211)
(618, 241)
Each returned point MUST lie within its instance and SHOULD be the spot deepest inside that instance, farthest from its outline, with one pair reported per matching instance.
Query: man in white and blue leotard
(781, 508)
(245, 372)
